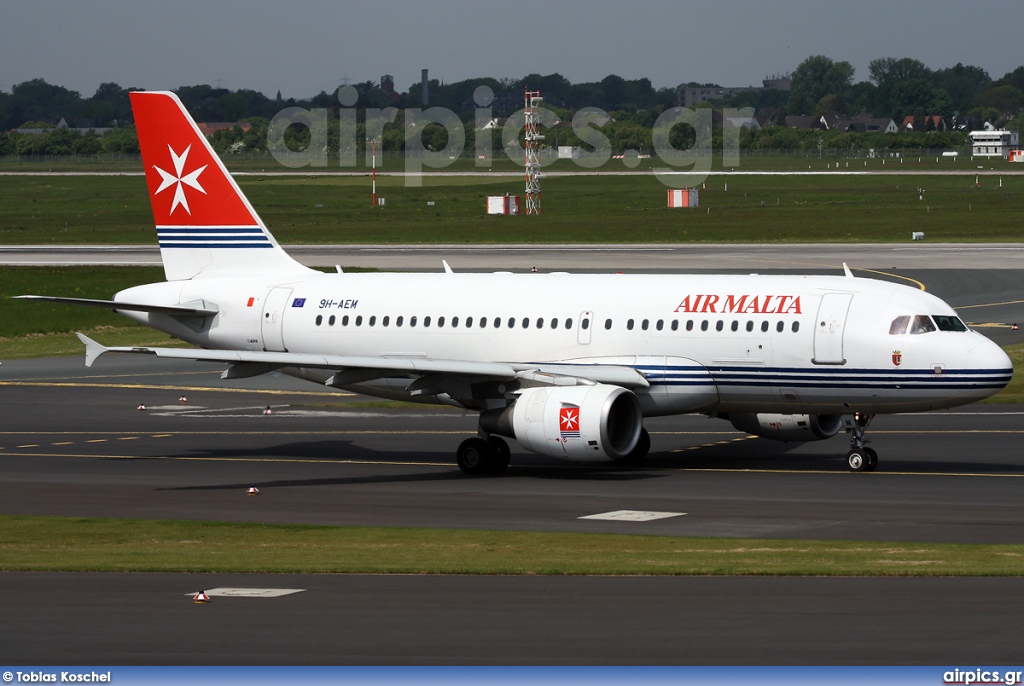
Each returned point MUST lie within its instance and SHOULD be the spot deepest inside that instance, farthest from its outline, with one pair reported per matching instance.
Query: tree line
(895, 88)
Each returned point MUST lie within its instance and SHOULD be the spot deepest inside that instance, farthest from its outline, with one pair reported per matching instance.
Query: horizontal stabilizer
(173, 310)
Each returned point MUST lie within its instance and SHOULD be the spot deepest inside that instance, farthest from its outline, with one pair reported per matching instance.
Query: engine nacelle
(788, 427)
(585, 423)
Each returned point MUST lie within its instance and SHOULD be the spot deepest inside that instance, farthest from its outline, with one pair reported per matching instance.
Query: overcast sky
(301, 47)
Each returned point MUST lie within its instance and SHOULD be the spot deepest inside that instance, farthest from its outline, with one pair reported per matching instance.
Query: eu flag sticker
(298, 302)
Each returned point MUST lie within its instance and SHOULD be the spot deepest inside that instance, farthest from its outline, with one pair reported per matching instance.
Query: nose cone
(992, 366)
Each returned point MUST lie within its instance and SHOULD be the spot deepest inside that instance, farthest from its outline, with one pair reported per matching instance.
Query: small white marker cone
(182, 399)
(201, 597)
(142, 407)
(266, 410)
(253, 491)
(1013, 327)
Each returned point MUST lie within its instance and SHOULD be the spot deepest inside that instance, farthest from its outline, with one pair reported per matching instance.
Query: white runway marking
(227, 592)
(633, 516)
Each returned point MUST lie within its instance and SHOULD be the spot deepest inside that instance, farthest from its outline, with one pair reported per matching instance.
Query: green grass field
(595, 209)
(121, 545)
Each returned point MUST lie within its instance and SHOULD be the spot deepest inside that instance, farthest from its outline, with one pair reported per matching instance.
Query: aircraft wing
(355, 368)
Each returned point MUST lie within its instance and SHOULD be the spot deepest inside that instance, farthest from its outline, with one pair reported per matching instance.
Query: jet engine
(788, 427)
(585, 423)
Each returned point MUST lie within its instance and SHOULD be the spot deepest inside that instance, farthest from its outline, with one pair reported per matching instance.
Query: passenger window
(585, 324)
(399, 320)
(511, 322)
(780, 327)
(440, 322)
(469, 322)
(607, 324)
(373, 320)
(922, 324)
(644, 324)
(750, 326)
(383, 322)
(660, 325)
(540, 323)
(554, 324)
(359, 320)
(949, 323)
(483, 322)
(526, 322)
(412, 320)
(319, 319)
(455, 322)
(330, 322)
(344, 320)
(675, 325)
(796, 326)
(764, 325)
(568, 323)
(719, 325)
(704, 325)
(497, 322)
(629, 325)
(899, 326)
(735, 325)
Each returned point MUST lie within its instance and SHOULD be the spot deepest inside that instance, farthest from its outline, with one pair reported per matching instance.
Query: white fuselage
(724, 343)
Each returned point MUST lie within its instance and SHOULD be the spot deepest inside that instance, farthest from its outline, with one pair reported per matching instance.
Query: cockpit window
(948, 323)
(921, 323)
(899, 326)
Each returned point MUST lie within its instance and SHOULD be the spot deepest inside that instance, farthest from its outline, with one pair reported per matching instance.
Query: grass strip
(125, 545)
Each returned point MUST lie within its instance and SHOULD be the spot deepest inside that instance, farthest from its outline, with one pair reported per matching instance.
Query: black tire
(643, 446)
(857, 460)
(872, 459)
(502, 454)
(475, 456)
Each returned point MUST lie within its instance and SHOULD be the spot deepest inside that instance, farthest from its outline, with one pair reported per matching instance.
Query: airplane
(567, 365)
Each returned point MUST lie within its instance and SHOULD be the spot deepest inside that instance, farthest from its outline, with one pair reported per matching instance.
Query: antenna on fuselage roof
(846, 270)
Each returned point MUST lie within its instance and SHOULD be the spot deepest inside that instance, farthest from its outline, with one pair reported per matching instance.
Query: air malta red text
(740, 304)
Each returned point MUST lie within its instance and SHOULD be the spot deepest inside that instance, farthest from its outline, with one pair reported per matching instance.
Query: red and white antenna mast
(373, 174)
(533, 139)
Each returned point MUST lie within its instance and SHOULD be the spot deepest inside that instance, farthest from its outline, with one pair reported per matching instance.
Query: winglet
(92, 348)
(846, 270)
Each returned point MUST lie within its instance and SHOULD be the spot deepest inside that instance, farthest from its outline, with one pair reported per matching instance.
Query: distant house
(210, 128)
(996, 143)
(742, 123)
(795, 121)
(869, 123)
(937, 123)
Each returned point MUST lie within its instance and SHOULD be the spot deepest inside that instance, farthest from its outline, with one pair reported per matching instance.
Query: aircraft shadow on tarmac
(750, 455)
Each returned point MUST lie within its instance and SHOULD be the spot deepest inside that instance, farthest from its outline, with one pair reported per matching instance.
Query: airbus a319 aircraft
(568, 365)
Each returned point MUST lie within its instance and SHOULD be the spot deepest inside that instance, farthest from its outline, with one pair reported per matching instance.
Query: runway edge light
(253, 491)
(266, 410)
(142, 406)
(201, 597)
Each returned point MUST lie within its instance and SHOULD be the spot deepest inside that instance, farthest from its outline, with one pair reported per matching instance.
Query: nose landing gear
(860, 458)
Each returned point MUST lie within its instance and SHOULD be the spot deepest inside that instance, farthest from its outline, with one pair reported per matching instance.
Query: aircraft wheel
(857, 460)
(643, 446)
(475, 456)
(502, 454)
(872, 459)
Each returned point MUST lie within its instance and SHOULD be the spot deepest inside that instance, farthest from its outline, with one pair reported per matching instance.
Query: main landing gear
(860, 458)
(477, 456)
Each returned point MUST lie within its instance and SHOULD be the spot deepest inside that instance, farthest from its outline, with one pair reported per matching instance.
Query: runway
(625, 257)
